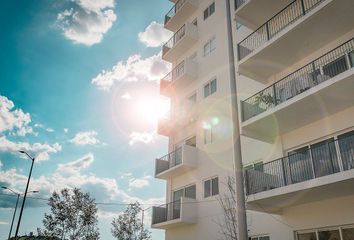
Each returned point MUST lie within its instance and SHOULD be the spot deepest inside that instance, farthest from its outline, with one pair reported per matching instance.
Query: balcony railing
(178, 5)
(238, 3)
(178, 71)
(166, 212)
(174, 39)
(318, 71)
(275, 25)
(169, 161)
(321, 159)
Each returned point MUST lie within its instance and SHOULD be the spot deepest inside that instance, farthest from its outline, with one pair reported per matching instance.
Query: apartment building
(295, 82)
(295, 77)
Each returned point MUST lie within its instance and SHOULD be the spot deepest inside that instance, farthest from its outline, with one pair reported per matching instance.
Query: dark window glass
(213, 86)
(206, 13)
(207, 90)
(212, 9)
(215, 187)
(190, 192)
(207, 188)
(348, 234)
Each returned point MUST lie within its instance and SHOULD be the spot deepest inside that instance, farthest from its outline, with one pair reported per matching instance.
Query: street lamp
(18, 196)
(25, 195)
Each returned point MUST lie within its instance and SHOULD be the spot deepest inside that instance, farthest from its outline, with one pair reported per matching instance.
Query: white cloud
(39, 150)
(13, 120)
(3, 223)
(77, 165)
(139, 182)
(126, 96)
(142, 137)
(134, 69)
(85, 138)
(103, 189)
(154, 35)
(87, 21)
(66, 130)
(49, 129)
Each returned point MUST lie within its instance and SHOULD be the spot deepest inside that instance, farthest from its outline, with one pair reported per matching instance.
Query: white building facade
(295, 82)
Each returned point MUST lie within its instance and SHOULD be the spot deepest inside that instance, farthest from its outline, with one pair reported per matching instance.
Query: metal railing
(276, 24)
(166, 212)
(169, 161)
(178, 5)
(238, 3)
(178, 71)
(321, 159)
(174, 39)
(316, 72)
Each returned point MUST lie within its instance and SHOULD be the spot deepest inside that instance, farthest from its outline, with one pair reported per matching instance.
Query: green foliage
(266, 99)
(73, 216)
(128, 225)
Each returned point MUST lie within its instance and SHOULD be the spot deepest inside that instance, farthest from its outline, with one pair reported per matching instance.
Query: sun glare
(152, 109)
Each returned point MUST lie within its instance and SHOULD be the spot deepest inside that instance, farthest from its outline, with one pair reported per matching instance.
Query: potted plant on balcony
(266, 99)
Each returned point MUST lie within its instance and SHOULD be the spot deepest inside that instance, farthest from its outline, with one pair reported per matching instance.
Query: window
(208, 135)
(188, 192)
(260, 238)
(210, 46)
(192, 141)
(209, 11)
(211, 187)
(258, 166)
(210, 88)
(339, 233)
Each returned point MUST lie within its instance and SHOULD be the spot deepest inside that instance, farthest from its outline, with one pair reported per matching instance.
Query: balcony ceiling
(309, 34)
(254, 13)
(327, 98)
(331, 186)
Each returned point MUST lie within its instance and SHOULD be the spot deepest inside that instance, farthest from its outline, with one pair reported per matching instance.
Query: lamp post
(18, 196)
(25, 195)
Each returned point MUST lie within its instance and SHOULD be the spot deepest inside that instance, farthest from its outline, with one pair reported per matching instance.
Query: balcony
(253, 13)
(291, 35)
(179, 13)
(175, 214)
(318, 172)
(183, 39)
(292, 102)
(180, 76)
(177, 162)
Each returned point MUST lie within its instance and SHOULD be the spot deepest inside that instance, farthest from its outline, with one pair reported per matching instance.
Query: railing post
(314, 77)
(267, 29)
(247, 182)
(303, 7)
(274, 95)
(283, 170)
(290, 173)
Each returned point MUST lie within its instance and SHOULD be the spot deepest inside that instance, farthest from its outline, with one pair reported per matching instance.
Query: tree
(73, 216)
(227, 200)
(128, 225)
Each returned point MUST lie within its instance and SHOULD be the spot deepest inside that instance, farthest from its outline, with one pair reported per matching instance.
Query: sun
(152, 108)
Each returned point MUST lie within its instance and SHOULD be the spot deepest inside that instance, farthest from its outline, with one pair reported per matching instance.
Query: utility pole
(25, 195)
(242, 233)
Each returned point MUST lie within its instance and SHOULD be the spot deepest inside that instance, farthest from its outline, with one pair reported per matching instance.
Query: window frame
(184, 190)
(209, 11)
(207, 48)
(209, 86)
(210, 180)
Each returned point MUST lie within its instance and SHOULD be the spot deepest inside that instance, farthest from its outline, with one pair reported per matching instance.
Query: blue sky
(79, 90)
